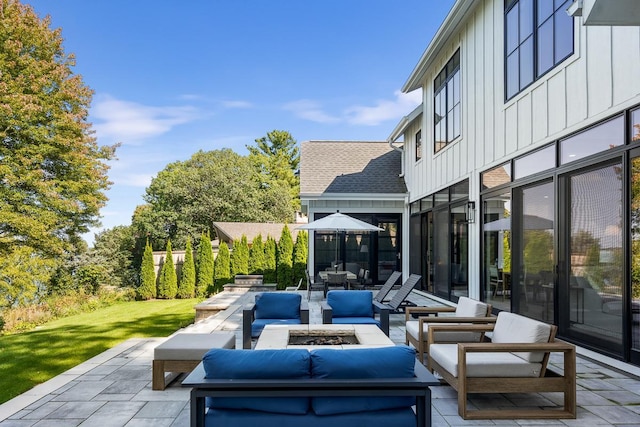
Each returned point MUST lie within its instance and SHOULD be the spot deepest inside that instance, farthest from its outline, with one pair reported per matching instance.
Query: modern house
(522, 165)
(361, 179)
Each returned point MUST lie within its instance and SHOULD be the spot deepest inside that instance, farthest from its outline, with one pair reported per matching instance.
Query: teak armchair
(468, 311)
(515, 362)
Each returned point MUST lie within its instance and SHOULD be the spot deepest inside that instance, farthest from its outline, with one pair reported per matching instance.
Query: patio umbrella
(339, 222)
(531, 222)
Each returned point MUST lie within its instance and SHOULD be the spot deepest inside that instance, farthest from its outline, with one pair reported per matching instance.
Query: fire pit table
(321, 336)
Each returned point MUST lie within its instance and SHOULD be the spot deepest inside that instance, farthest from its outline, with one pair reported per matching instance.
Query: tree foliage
(22, 275)
(188, 196)
(113, 250)
(240, 257)
(270, 260)
(256, 256)
(300, 253)
(168, 283)
(147, 288)
(285, 259)
(223, 267)
(187, 285)
(204, 266)
(53, 172)
(277, 157)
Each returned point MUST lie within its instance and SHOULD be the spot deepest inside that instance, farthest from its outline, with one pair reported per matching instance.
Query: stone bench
(183, 352)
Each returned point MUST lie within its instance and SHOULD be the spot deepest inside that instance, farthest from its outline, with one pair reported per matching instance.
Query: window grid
(538, 36)
(446, 103)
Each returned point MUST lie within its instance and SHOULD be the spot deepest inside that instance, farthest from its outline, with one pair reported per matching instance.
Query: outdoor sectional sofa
(374, 387)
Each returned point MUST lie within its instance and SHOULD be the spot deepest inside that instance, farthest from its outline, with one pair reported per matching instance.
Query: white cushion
(513, 328)
(468, 307)
(185, 346)
(484, 365)
(413, 326)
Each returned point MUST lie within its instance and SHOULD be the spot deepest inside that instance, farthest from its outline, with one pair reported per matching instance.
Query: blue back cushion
(351, 303)
(384, 362)
(278, 305)
(223, 363)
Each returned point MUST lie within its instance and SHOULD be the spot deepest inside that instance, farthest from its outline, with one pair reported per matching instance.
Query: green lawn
(30, 358)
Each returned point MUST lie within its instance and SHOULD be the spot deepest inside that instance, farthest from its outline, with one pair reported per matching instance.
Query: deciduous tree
(53, 172)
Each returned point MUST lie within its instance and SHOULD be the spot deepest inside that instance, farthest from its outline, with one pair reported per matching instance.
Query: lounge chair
(354, 307)
(279, 308)
(468, 311)
(398, 303)
(388, 285)
(514, 362)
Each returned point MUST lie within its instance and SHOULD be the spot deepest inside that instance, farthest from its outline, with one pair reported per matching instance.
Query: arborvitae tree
(270, 253)
(147, 288)
(240, 257)
(204, 267)
(285, 259)
(168, 283)
(256, 256)
(300, 252)
(223, 267)
(187, 286)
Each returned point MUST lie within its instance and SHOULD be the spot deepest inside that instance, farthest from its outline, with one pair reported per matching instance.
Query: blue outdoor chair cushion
(355, 321)
(351, 303)
(383, 362)
(258, 364)
(258, 325)
(276, 305)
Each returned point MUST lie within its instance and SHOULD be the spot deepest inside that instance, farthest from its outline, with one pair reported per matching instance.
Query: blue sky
(171, 78)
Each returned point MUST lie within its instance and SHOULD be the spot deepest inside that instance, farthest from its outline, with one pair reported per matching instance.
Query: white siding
(585, 88)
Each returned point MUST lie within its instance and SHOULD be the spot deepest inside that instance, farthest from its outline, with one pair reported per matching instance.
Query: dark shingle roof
(350, 167)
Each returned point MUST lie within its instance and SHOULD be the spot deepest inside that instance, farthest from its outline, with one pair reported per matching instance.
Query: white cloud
(237, 104)
(129, 121)
(384, 110)
(310, 110)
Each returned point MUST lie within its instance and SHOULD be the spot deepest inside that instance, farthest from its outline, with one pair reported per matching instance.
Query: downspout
(392, 140)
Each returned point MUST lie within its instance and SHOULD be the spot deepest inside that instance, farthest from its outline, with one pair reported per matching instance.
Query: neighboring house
(231, 231)
(524, 158)
(361, 179)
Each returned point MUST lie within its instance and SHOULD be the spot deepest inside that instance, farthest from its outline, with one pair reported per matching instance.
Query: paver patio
(113, 389)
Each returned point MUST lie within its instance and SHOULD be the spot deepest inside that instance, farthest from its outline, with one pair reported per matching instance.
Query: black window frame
(419, 145)
(448, 96)
(537, 27)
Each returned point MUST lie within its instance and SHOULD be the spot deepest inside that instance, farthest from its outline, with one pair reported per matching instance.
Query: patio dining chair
(338, 279)
(313, 285)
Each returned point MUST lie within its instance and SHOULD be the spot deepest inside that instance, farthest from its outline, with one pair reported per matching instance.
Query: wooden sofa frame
(425, 316)
(546, 382)
(417, 386)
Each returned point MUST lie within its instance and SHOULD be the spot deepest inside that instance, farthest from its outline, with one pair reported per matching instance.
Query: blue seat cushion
(223, 363)
(384, 362)
(404, 417)
(258, 325)
(278, 305)
(351, 303)
(355, 320)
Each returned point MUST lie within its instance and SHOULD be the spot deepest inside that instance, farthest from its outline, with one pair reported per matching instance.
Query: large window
(538, 36)
(446, 103)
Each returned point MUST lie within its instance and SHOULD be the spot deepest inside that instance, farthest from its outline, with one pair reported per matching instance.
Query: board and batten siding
(601, 78)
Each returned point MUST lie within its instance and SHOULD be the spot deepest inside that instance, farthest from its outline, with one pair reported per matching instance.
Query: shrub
(284, 267)
(300, 253)
(168, 283)
(256, 256)
(204, 267)
(270, 260)
(147, 288)
(223, 267)
(187, 286)
(240, 257)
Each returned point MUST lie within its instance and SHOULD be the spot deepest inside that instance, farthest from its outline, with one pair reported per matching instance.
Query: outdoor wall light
(471, 212)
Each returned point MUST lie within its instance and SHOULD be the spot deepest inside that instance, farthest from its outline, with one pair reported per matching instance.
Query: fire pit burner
(322, 340)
